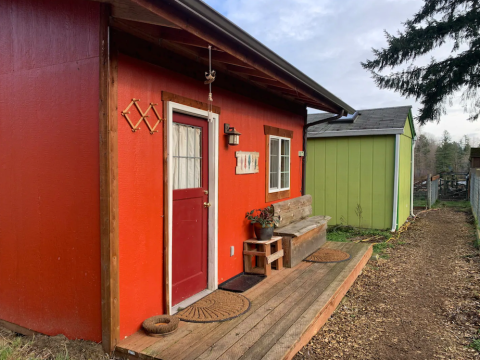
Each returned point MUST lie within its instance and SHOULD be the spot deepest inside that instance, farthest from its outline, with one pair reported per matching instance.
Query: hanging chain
(210, 76)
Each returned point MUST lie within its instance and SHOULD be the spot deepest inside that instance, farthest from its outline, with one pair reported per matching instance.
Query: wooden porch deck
(287, 309)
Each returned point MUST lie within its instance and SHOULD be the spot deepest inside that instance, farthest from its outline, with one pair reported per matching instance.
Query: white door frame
(212, 268)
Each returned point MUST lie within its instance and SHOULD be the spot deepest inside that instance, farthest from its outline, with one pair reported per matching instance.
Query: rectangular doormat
(241, 282)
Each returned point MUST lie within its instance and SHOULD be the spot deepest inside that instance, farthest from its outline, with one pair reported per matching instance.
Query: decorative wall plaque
(247, 162)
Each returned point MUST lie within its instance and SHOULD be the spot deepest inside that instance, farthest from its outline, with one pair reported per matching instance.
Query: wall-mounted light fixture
(233, 135)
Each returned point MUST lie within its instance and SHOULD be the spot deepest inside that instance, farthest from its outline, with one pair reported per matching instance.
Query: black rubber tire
(171, 324)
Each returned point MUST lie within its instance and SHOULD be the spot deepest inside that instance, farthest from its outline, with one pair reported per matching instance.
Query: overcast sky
(327, 40)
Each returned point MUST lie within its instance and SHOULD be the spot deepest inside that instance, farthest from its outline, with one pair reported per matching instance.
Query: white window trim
(270, 137)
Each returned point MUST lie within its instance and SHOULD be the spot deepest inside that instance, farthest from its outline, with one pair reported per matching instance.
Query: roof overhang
(367, 132)
(229, 28)
(193, 25)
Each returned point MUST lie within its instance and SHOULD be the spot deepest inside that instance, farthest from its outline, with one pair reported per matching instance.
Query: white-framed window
(279, 164)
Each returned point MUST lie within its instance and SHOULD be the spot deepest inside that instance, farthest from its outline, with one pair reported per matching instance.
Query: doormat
(328, 256)
(217, 307)
(241, 283)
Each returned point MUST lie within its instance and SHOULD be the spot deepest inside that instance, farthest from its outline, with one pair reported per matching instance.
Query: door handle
(207, 204)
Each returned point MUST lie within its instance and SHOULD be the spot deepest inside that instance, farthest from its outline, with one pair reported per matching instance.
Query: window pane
(182, 172)
(198, 174)
(285, 180)
(191, 173)
(285, 164)
(175, 131)
(285, 147)
(274, 150)
(186, 156)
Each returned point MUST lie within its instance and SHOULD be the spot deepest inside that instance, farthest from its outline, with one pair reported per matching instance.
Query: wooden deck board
(270, 341)
(287, 309)
(226, 331)
(262, 325)
(306, 327)
(198, 342)
(265, 294)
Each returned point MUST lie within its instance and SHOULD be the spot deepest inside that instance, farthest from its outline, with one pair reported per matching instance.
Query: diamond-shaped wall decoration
(143, 116)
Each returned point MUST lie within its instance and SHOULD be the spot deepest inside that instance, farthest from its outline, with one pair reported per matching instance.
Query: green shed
(359, 170)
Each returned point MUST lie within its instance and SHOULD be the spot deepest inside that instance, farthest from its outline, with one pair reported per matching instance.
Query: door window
(187, 156)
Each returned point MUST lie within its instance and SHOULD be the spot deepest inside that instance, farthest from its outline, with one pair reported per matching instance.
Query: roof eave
(217, 20)
(345, 133)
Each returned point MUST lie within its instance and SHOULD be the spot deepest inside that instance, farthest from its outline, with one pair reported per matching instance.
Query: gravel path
(422, 302)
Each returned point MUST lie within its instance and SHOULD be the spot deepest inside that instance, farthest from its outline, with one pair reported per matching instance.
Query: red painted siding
(141, 183)
(49, 160)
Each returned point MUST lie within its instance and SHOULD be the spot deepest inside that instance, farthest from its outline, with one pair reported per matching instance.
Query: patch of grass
(62, 357)
(475, 344)
(340, 236)
(379, 248)
(462, 205)
(17, 347)
(11, 349)
(419, 202)
(342, 233)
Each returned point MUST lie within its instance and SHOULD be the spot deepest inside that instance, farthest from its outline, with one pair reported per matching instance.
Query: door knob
(207, 204)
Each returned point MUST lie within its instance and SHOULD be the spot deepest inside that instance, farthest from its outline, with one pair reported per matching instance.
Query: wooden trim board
(270, 130)
(166, 96)
(18, 329)
(322, 317)
(108, 185)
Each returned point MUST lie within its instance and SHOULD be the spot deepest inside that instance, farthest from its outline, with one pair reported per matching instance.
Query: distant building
(475, 157)
(359, 171)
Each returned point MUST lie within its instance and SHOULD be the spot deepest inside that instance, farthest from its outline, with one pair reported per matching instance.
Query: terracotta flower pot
(263, 233)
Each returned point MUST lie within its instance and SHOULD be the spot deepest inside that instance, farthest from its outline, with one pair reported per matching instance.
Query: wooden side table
(266, 253)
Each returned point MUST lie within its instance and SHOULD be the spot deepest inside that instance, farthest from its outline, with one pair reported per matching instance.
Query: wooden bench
(302, 234)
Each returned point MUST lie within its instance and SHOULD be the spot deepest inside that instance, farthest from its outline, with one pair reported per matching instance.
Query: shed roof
(383, 121)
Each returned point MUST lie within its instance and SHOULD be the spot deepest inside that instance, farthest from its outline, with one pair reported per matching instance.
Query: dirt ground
(421, 301)
(41, 347)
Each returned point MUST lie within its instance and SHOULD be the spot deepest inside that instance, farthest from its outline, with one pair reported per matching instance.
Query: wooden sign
(247, 162)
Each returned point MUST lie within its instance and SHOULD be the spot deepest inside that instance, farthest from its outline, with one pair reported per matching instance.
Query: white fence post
(429, 191)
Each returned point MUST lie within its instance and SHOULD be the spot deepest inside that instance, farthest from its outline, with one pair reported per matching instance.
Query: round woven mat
(328, 256)
(215, 307)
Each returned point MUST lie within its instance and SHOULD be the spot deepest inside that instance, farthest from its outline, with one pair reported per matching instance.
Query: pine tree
(444, 157)
(422, 152)
(434, 84)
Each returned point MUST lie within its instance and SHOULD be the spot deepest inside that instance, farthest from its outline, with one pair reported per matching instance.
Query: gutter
(395, 183)
(412, 173)
(217, 20)
(340, 133)
(305, 131)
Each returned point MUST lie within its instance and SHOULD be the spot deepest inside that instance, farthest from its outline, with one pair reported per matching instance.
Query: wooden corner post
(108, 184)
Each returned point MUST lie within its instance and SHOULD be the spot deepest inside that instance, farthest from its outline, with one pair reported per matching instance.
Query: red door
(190, 206)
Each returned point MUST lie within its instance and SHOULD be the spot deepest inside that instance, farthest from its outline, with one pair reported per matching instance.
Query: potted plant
(263, 221)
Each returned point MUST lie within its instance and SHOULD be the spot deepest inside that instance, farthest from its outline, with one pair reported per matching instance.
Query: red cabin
(122, 194)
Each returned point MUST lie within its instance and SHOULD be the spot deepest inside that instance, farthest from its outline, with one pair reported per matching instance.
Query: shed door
(190, 215)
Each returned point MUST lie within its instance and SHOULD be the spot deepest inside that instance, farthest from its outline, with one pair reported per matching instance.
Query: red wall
(49, 161)
(141, 183)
